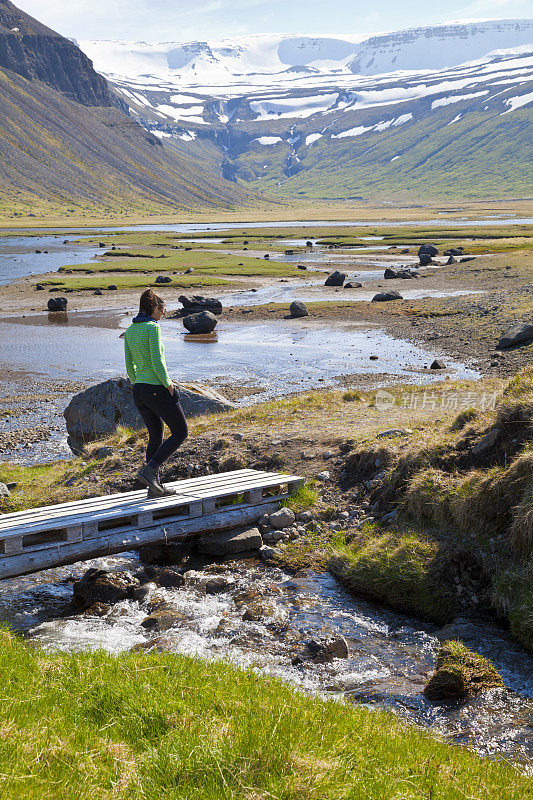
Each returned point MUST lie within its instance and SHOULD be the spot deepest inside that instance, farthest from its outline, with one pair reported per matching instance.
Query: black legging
(156, 405)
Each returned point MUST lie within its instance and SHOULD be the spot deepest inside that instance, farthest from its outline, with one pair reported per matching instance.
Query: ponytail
(149, 302)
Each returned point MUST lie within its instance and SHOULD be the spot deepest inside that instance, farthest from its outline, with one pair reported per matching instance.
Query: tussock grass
(303, 498)
(161, 727)
(460, 673)
(395, 567)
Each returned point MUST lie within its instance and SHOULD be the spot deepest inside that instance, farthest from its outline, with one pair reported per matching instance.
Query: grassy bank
(161, 726)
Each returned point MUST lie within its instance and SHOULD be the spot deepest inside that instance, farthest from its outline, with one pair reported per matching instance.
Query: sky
(186, 20)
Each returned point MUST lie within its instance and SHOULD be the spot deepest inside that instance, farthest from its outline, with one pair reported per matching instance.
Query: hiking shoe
(148, 476)
(167, 492)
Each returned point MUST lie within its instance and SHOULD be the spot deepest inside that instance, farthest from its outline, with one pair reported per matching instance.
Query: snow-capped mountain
(269, 107)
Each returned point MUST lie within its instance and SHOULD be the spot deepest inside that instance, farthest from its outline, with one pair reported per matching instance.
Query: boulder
(268, 554)
(450, 261)
(430, 249)
(98, 292)
(467, 258)
(112, 287)
(298, 309)
(488, 441)
(390, 273)
(163, 619)
(454, 251)
(438, 364)
(353, 285)
(425, 259)
(163, 279)
(519, 334)
(4, 490)
(197, 303)
(282, 518)
(99, 586)
(57, 304)
(301, 266)
(97, 411)
(382, 297)
(203, 322)
(309, 243)
(224, 542)
(335, 279)
(323, 651)
(39, 287)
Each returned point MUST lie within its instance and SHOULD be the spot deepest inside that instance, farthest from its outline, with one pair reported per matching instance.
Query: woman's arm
(130, 366)
(158, 357)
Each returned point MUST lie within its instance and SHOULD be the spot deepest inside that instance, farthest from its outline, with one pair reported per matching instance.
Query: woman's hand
(171, 388)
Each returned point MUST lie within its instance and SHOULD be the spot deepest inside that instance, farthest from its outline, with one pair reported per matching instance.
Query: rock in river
(298, 309)
(99, 586)
(98, 411)
(335, 279)
(382, 297)
(203, 322)
(57, 304)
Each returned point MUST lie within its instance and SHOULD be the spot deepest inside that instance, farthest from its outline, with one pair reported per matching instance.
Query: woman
(153, 392)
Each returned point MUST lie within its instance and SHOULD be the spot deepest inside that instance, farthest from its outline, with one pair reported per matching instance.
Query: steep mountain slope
(66, 143)
(441, 109)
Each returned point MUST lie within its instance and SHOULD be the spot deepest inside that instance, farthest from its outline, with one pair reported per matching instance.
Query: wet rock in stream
(99, 586)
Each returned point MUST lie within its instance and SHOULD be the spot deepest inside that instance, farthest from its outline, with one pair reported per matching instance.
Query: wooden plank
(138, 495)
(115, 543)
(9, 520)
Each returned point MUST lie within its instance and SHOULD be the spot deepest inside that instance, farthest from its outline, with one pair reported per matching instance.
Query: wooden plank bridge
(40, 538)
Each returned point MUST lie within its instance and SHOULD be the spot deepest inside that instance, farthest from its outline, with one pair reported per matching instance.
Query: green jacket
(145, 354)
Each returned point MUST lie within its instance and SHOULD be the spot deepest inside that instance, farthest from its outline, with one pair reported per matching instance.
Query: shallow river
(390, 655)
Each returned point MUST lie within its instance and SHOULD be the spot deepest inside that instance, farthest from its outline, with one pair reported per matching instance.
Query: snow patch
(312, 137)
(266, 141)
(518, 102)
(458, 98)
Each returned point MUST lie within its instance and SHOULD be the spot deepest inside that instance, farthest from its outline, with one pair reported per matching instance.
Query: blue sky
(183, 20)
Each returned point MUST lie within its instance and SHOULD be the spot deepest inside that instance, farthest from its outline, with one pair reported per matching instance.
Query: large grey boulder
(430, 249)
(204, 322)
(99, 410)
(424, 259)
(517, 335)
(335, 279)
(198, 303)
(225, 542)
(100, 586)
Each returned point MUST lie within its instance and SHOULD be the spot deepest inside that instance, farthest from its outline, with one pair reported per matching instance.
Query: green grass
(395, 567)
(165, 727)
(127, 281)
(460, 673)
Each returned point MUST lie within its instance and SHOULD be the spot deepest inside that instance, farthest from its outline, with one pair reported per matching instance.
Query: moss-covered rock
(460, 673)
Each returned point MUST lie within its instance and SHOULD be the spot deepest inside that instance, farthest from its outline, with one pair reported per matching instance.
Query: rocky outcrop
(99, 410)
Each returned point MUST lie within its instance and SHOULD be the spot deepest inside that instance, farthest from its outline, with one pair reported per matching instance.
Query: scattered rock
(103, 452)
(438, 364)
(268, 554)
(424, 259)
(163, 279)
(451, 260)
(467, 258)
(203, 322)
(163, 619)
(390, 273)
(99, 586)
(301, 266)
(98, 292)
(428, 249)
(57, 304)
(324, 475)
(112, 287)
(394, 432)
(306, 516)
(217, 584)
(224, 542)
(39, 287)
(382, 297)
(323, 651)
(519, 334)
(188, 271)
(4, 491)
(282, 518)
(298, 309)
(335, 279)
(197, 303)
(454, 251)
(353, 285)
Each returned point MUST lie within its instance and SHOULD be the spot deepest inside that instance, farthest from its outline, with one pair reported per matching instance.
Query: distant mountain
(444, 110)
(66, 141)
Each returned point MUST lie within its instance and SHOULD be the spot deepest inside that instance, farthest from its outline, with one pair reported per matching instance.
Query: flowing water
(19, 259)
(390, 655)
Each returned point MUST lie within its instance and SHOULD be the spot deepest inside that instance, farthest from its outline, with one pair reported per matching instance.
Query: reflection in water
(201, 338)
(58, 317)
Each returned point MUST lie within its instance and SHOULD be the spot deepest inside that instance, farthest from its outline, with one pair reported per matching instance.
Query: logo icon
(384, 400)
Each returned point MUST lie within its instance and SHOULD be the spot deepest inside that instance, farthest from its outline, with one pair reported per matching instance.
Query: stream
(390, 655)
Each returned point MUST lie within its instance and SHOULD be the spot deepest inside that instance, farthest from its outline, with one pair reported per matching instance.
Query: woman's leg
(170, 410)
(153, 422)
